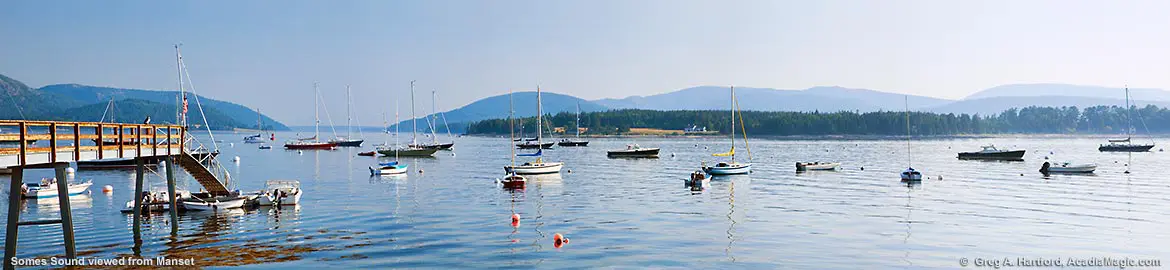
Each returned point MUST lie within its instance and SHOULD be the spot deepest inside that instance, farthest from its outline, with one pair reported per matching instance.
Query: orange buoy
(515, 220)
(559, 240)
(107, 188)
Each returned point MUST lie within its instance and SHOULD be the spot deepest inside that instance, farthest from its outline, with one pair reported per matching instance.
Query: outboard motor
(1044, 168)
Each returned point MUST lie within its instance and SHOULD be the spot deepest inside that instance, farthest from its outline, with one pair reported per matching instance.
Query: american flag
(184, 104)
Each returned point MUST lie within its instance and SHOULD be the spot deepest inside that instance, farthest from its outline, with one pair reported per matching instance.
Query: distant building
(695, 128)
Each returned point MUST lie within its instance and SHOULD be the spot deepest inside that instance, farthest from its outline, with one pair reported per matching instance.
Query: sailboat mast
(511, 127)
(316, 113)
(732, 124)
(1128, 116)
(909, 163)
(434, 120)
(578, 125)
(180, 113)
(396, 148)
(538, 115)
(348, 113)
(413, 118)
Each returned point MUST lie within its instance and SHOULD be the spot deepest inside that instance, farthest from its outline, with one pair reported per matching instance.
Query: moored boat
(407, 151)
(281, 192)
(513, 181)
(312, 143)
(731, 166)
(633, 151)
(538, 166)
(911, 175)
(156, 201)
(389, 168)
(990, 152)
(576, 141)
(534, 145)
(1126, 145)
(47, 188)
(698, 180)
(728, 168)
(817, 166)
(1067, 167)
(213, 203)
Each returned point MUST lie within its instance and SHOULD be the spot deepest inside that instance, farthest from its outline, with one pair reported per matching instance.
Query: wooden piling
(171, 192)
(66, 211)
(14, 201)
(139, 174)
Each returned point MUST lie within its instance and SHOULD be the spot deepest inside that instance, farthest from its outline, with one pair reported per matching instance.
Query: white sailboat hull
(729, 169)
(50, 191)
(535, 168)
(388, 170)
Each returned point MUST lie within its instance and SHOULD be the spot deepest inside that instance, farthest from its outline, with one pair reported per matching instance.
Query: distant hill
(136, 110)
(825, 99)
(497, 107)
(993, 105)
(1069, 90)
(73, 102)
(18, 101)
(242, 116)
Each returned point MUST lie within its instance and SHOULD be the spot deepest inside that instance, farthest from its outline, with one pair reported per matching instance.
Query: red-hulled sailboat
(312, 143)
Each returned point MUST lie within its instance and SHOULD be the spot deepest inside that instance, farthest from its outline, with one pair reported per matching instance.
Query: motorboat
(47, 188)
(817, 166)
(157, 201)
(698, 180)
(368, 153)
(281, 192)
(265, 146)
(389, 168)
(254, 138)
(633, 151)
(513, 181)
(911, 175)
(1067, 167)
(990, 152)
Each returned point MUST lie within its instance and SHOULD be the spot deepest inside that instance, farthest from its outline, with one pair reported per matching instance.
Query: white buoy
(231, 144)
(70, 170)
(236, 159)
(300, 153)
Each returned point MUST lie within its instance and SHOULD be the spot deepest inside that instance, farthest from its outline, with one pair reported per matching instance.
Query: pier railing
(24, 143)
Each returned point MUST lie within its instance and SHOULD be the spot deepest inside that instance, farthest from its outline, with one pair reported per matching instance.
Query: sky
(268, 54)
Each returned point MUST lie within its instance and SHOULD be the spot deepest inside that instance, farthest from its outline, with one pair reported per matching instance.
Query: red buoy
(559, 240)
(515, 220)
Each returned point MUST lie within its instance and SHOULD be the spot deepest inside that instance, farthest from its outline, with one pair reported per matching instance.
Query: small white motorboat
(389, 168)
(282, 192)
(698, 180)
(1067, 167)
(728, 168)
(911, 175)
(514, 181)
(201, 203)
(817, 166)
(47, 188)
(156, 201)
(537, 167)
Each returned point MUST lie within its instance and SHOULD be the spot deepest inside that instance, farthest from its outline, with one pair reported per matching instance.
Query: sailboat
(348, 140)
(731, 167)
(259, 126)
(909, 174)
(111, 109)
(511, 179)
(393, 167)
(576, 141)
(433, 123)
(538, 166)
(409, 150)
(1125, 145)
(312, 143)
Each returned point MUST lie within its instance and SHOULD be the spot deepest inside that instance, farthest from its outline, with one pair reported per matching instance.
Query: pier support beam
(66, 211)
(171, 193)
(139, 174)
(14, 202)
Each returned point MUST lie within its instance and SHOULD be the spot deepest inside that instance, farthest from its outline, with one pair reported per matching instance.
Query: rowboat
(1067, 167)
(513, 181)
(205, 203)
(817, 166)
(47, 188)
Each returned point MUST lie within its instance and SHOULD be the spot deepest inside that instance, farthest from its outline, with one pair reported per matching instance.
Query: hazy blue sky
(267, 53)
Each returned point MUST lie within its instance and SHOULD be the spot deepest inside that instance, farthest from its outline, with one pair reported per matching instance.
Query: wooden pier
(50, 144)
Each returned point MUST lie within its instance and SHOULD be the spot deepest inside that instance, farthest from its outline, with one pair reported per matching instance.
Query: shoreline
(847, 137)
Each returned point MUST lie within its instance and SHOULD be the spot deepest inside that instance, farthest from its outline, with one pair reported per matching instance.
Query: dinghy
(203, 202)
(698, 180)
(156, 201)
(911, 175)
(389, 168)
(817, 166)
(1067, 167)
(513, 181)
(47, 188)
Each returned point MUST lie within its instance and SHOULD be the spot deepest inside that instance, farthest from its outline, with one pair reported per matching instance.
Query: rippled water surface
(621, 212)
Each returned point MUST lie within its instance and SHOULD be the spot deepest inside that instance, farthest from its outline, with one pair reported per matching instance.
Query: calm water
(620, 212)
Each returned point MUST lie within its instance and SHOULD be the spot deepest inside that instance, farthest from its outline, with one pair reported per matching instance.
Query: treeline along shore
(1028, 120)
